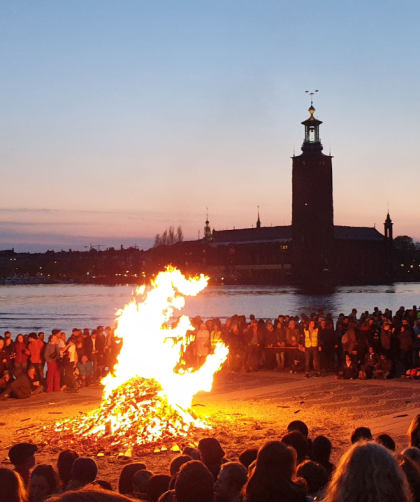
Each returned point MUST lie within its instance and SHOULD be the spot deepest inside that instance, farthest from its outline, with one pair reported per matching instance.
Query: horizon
(119, 121)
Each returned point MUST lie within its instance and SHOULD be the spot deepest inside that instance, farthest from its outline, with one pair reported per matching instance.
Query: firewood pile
(135, 416)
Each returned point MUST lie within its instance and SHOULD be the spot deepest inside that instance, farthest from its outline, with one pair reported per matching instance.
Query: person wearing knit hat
(22, 456)
(84, 471)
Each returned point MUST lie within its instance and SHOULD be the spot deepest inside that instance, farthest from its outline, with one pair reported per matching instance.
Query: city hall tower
(312, 206)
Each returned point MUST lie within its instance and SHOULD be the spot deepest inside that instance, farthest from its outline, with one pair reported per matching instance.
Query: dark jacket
(88, 347)
(350, 371)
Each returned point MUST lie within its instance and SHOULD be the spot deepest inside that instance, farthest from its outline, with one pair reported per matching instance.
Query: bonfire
(147, 396)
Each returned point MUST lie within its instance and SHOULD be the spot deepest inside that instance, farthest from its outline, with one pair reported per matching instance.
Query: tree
(404, 243)
(169, 237)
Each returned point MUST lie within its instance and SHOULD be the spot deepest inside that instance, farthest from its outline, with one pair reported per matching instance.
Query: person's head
(292, 325)
(361, 434)
(210, 451)
(386, 440)
(348, 359)
(84, 359)
(44, 482)
(413, 454)
(125, 481)
(321, 449)
(22, 456)
(248, 456)
(371, 350)
(311, 324)
(7, 334)
(298, 441)
(19, 338)
(177, 462)
(33, 337)
(140, 480)
(1, 343)
(12, 488)
(53, 339)
(65, 462)
(298, 425)
(194, 483)
(84, 470)
(414, 432)
(230, 481)
(158, 484)
(366, 472)
(273, 474)
(315, 475)
(41, 336)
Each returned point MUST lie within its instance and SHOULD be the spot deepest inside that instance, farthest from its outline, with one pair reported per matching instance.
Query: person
(361, 434)
(383, 369)
(52, 354)
(4, 358)
(21, 354)
(125, 481)
(22, 456)
(349, 369)
(140, 480)
(230, 481)
(202, 342)
(256, 338)
(65, 462)
(43, 483)
(386, 440)
(36, 346)
(292, 340)
(312, 349)
(368, 472)
(70, 363)
(12, 488)
(414, 432)
(406, 346)
(19, 388)
(321, 453)
(100, 350)
(83, 472)
(248, 456)
(316, 477)
(327, 340)
(5, 382)
(274, 476)
(177, 462)
(298, 441)
(368, 368)
(87, 344)
(194, 483)
(211, 454)
(412, 474)
(86, 371)
(414, 454)
(35, 384)
(157, 485)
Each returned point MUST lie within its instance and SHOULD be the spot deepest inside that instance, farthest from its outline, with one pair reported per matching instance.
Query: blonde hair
(414, 432)
(368, 473)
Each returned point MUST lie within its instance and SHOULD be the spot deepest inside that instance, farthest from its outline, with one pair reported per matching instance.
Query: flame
(148, 394)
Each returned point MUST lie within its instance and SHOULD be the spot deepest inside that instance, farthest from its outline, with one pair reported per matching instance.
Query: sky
(119, 119)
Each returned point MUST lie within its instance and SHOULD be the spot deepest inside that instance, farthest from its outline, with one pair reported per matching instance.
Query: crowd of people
(70, 362)
(373, 345)
(376, 344)
(295, 468)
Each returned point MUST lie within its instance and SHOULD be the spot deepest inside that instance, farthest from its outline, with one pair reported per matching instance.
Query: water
(44, 307)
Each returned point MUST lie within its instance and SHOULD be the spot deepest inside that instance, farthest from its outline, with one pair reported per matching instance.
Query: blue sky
(118, 119)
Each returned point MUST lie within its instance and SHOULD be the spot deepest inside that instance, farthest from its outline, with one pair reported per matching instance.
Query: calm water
(44, 307)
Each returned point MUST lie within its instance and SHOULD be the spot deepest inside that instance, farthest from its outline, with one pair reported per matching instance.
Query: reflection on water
(44, 307)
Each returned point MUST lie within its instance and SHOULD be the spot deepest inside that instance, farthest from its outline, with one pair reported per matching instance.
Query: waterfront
(44, 307)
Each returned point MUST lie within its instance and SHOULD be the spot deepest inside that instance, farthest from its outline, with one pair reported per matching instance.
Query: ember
(147, 397)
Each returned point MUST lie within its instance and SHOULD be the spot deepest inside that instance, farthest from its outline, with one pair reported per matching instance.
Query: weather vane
(312, 96)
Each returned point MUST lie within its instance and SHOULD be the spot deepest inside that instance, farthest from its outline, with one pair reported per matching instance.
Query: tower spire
(207, 229)
(258, 220)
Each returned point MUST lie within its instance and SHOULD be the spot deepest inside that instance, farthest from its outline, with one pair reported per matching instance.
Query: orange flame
(152, 351)
(145, 390)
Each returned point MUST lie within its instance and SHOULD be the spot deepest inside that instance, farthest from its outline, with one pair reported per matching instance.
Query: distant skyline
(119, 119)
